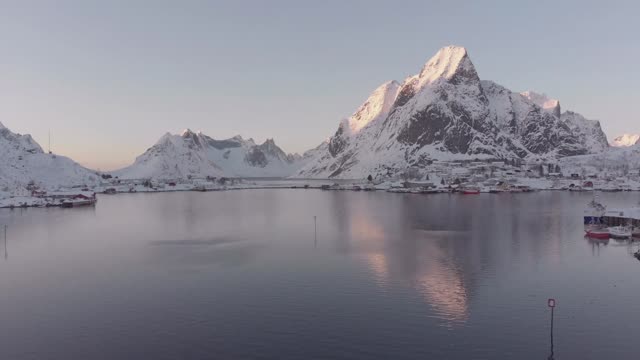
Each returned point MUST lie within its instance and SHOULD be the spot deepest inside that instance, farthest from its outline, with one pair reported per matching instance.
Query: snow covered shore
(495, 186)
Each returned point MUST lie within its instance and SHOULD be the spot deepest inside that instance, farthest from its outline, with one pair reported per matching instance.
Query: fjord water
(240, 275)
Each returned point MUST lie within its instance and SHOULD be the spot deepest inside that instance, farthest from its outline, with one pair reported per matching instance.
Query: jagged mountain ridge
(446, 112)
(198, 155)
(23, 162)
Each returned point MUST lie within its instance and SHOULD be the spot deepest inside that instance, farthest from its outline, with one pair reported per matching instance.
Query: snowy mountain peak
(187, 133)
(376, 106)
(447, 113)
(626, 140)
(543, 101)
(2, 126)
(451, 63)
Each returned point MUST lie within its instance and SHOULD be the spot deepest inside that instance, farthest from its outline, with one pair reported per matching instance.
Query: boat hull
(76, 203)
(620, 233)
(598, 234)
(620, 236)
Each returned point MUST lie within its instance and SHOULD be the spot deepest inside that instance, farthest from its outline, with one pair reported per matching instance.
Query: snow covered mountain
(198, 155)
(446, 112)
(626, 140)
(22, 162)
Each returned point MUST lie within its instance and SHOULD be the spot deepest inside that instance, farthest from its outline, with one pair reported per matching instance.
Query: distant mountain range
(446, 112)
(197, 155)
(443, 113)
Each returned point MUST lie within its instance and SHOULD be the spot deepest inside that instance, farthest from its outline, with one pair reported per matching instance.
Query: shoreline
(21, 202)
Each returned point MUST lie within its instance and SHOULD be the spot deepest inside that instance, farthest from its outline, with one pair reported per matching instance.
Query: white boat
(594, 212)
(620, 232)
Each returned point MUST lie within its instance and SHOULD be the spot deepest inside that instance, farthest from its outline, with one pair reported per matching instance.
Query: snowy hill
(198, 155)
(621, 161)
(626, 140)
(446, 112)
(22, 161)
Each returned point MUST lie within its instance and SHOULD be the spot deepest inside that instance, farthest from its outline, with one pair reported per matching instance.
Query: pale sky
(108, 78)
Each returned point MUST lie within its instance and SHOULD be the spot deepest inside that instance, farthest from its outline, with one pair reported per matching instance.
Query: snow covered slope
(589, 132)
(22, 161)
(446, 112)
(625, 140)
(198, 155)
(620, 161)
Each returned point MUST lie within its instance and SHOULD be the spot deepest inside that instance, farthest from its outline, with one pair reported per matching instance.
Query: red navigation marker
(551, 303)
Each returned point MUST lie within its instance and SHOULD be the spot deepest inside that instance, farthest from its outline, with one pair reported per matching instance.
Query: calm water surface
(240, 275)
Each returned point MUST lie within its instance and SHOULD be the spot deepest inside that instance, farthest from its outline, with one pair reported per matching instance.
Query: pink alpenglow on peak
(626, 140)
(447, 113)
(376, 106)
(446, 63)
(186, 132)
(545, 102)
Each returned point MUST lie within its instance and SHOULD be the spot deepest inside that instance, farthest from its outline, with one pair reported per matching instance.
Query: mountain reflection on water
(243, 274)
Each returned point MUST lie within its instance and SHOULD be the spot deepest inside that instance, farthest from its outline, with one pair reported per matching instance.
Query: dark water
(238, 275)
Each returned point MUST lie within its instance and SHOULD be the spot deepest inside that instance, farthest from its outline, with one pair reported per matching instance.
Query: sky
(108, 78)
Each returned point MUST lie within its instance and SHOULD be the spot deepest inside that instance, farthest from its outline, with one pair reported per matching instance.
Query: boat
(431, 191)
(470, 191)
(594, 212)
(620, 232)
(496, 190)
(110, 191)
(79, 200)
(525, 188)
(71, 203)
(602, 233)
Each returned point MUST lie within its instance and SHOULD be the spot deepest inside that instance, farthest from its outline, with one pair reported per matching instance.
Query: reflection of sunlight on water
(435, 276)
(440, 282)
(363, 230)
(445, 291)
(370, 236)
(378, 265)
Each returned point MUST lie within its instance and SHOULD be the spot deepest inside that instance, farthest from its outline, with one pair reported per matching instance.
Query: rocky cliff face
(446, 112)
